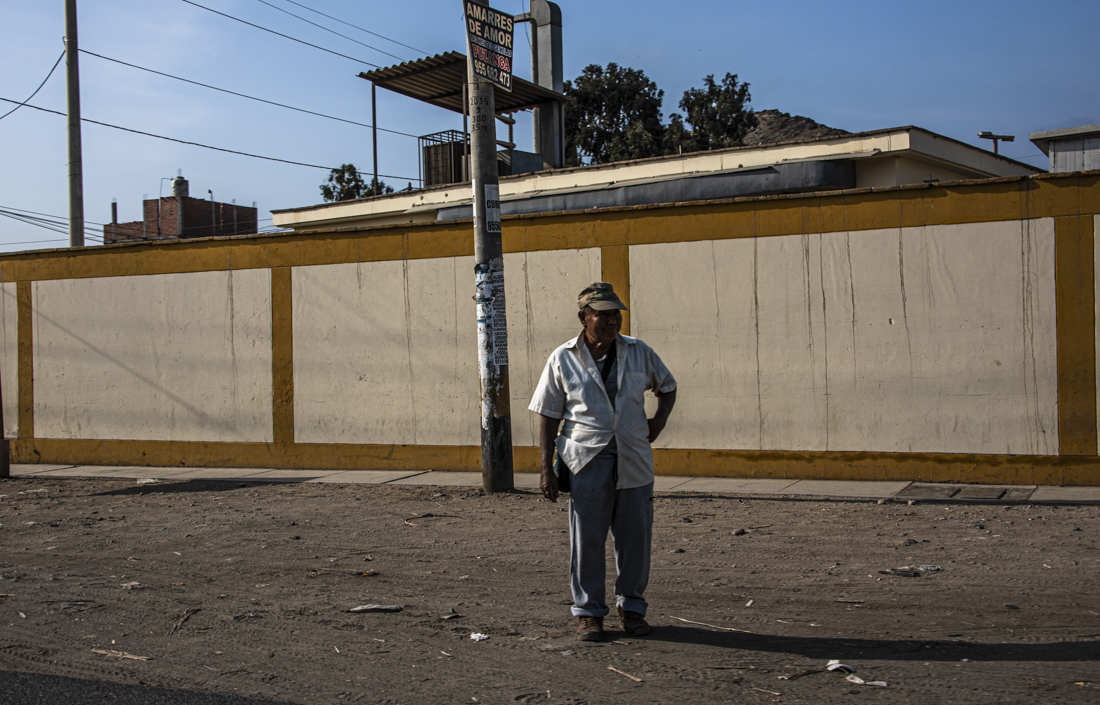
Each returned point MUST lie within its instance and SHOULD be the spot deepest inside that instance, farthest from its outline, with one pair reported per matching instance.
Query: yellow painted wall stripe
(1076, 315)
(282, 355)
(340, 456)
(25, 358)
(861, 209)
(925, 467)
(615, 260)
(920, 467)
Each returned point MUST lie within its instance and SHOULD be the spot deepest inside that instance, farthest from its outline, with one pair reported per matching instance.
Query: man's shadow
(825, 648)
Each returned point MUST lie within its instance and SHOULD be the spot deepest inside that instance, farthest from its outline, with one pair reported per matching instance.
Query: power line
(361, 29)
(48, 215)
(46, 225)
(60, 225)
(36, 89)
(207, 146)
(241, 95)
(285, 36)
(31, 242)
(303, 19)
(51, 221)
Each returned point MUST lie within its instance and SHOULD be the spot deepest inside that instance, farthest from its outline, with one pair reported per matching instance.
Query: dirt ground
(243, 588)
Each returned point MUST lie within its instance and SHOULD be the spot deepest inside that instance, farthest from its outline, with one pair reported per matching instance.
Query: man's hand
(665, 402)
(549, 485)
(548, 431)
(656, 425)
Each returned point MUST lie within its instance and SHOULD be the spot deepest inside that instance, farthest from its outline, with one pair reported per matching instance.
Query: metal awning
(438, 80)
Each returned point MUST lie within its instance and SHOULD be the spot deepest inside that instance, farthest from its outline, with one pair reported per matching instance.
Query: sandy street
(243, 588)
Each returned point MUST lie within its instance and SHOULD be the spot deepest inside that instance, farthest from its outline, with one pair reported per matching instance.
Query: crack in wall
(825, 331)
(718, 332)
(905, 303)
(756, 325)
(408, 336)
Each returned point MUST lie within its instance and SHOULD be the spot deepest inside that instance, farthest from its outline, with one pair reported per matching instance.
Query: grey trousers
(595, 506)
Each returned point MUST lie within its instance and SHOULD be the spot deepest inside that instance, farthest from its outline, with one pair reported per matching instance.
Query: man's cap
(600, 296)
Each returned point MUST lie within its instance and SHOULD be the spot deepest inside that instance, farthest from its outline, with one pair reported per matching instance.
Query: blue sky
(952, 67)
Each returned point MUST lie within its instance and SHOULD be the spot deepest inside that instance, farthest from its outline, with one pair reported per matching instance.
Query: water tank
(179, 187)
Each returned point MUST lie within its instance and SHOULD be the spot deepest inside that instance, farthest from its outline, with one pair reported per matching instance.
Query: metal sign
(489, 38)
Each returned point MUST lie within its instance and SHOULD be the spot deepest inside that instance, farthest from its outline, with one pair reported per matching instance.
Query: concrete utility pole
(76, 163)
(5, 448)
(492, 327)
(374, 136)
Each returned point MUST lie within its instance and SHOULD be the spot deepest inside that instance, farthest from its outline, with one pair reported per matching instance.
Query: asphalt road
(18, 688)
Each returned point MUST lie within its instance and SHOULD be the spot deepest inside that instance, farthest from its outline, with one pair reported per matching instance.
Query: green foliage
(615, 114)
(678, 138)
(718, 114)
(346, 184)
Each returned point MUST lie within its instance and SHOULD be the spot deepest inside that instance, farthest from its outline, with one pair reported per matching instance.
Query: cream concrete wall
(168, 357)
(910, 340)
(386, 352)
(9, 359)
(541, 289)
(355, 325)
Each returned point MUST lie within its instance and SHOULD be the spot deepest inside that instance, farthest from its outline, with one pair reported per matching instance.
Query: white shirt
(571, 389)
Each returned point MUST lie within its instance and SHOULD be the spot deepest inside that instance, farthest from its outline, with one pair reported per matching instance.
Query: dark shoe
(591, 629)
(634, 624)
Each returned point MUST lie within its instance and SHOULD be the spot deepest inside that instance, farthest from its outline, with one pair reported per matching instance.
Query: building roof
(1042, 140)
(438, 80)
(925, 156)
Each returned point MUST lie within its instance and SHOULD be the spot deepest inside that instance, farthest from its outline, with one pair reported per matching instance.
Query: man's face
(601, 327)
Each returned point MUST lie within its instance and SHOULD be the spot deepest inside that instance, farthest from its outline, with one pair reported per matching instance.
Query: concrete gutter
(751, 488)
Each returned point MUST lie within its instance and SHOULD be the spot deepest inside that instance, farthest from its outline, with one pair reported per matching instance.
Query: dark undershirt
(612, 388)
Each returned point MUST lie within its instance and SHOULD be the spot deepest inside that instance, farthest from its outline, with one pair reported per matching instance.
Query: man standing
(596, 384)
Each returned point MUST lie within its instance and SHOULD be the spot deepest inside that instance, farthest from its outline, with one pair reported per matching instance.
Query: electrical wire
(49, 222)
(528, 34)
(361, 29)
(242, 95)
(36, 89)
(207, 146)
(47, 215)
(303, 19)
(58, 224)
(31, 242)
(57, 227)
(285, 36)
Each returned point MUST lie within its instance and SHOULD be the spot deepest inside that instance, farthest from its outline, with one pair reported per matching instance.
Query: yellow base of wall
(921, 467)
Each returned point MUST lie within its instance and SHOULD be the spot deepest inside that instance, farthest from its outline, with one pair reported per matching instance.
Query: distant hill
(775, 126)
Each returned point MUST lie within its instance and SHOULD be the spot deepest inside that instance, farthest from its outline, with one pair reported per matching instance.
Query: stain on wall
(900, 340)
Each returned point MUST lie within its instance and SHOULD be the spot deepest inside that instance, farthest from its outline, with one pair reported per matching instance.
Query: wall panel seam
(282, 355)
(1076, 335)
(25, 358)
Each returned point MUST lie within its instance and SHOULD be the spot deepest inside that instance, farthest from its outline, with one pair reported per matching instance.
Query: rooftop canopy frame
(440, 80)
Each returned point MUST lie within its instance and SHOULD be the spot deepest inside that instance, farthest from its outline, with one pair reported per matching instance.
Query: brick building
(181, 217)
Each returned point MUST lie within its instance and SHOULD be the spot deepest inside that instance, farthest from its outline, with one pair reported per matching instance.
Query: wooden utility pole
(492, 325)
(76, 163)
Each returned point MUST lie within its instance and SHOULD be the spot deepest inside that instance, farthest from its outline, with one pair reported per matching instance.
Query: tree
(346, 183)
(678, 139)
(615, 114)
(719, 115)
